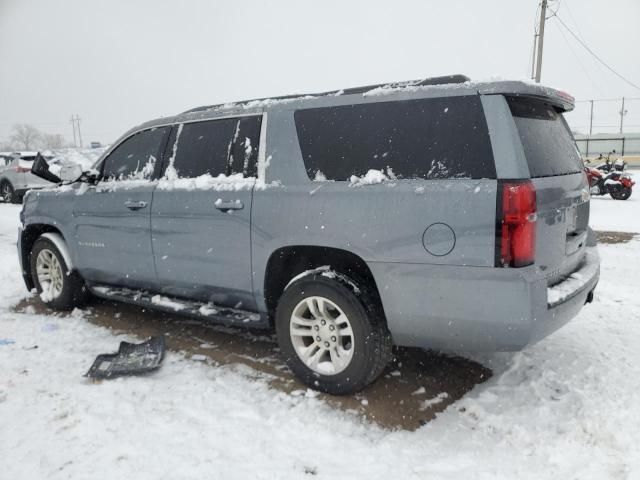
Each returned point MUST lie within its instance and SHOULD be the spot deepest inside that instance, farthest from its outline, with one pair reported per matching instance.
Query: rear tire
(621, 194)
(59, 288)
(332, 334)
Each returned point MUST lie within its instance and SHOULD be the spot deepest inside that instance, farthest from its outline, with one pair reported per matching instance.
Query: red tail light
(22, 169)
(516, 224)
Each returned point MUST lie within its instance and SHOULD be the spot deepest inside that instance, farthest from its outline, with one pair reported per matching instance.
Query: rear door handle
(226, 205)
(131, 205)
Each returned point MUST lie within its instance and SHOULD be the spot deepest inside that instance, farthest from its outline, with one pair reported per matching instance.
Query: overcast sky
(117, 63)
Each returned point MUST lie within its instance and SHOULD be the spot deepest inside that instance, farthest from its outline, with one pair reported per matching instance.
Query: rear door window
(203, 148)
(217, 147)
(428, 138)
(546, 138)
(136, 157)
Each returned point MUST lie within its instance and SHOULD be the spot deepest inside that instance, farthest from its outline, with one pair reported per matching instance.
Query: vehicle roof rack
(443, 80)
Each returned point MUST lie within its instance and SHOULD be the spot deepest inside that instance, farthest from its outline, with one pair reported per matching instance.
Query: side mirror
(40, 168)
(70, 173)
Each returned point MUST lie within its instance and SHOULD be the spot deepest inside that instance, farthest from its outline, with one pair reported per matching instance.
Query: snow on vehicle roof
(490, 86)
(406, 90)
(448, 79)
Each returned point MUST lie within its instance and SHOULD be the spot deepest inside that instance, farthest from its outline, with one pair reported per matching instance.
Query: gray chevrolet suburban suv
(440, 214)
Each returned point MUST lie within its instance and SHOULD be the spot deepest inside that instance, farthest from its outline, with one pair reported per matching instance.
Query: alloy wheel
(322, 335)
(6, 192)
(50, 275)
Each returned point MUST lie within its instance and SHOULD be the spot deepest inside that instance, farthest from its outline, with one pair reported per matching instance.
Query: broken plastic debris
(131, 359)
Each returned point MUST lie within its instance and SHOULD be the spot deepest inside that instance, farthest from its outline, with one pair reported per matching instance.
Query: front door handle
(131, 205)
(226, 205)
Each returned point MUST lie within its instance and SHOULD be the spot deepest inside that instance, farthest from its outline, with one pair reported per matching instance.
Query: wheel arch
(285, 263)
(28, 237)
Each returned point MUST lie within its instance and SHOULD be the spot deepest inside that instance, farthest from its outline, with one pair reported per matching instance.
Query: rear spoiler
(558, 98)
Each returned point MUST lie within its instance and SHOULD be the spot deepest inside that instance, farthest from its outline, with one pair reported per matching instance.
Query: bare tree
(53, 140)
(26, 136)
(6, 147)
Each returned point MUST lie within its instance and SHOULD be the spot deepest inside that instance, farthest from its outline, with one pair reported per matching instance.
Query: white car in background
(16, 177)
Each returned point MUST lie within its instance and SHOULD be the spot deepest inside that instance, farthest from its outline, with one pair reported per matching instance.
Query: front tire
(332, 334)
(59, 288)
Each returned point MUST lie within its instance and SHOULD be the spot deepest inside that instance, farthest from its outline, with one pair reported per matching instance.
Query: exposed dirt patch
(615, 237)
(416, 386)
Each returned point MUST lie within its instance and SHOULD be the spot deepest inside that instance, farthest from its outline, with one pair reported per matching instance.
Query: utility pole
(540, 40)
(591, 119)
(79, 134)
(75, 123)
(623, 112)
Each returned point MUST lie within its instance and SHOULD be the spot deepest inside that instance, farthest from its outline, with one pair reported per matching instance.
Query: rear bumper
(565, 299)
(478, 308)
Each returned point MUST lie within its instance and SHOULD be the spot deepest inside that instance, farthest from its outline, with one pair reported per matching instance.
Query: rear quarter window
(427, 138)
(548, 144)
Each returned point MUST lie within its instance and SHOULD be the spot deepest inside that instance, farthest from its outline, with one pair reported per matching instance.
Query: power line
(553, 12)
(573, 19)
(586, 47)
(584, 69)
(577, 29)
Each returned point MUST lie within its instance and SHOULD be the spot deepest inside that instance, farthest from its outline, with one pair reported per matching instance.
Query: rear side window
(548, 143)
(227, 146)
(427, 138)
(136, 157)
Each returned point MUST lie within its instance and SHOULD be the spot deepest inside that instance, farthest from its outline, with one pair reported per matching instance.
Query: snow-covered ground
(566, 408)
(616, 215)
